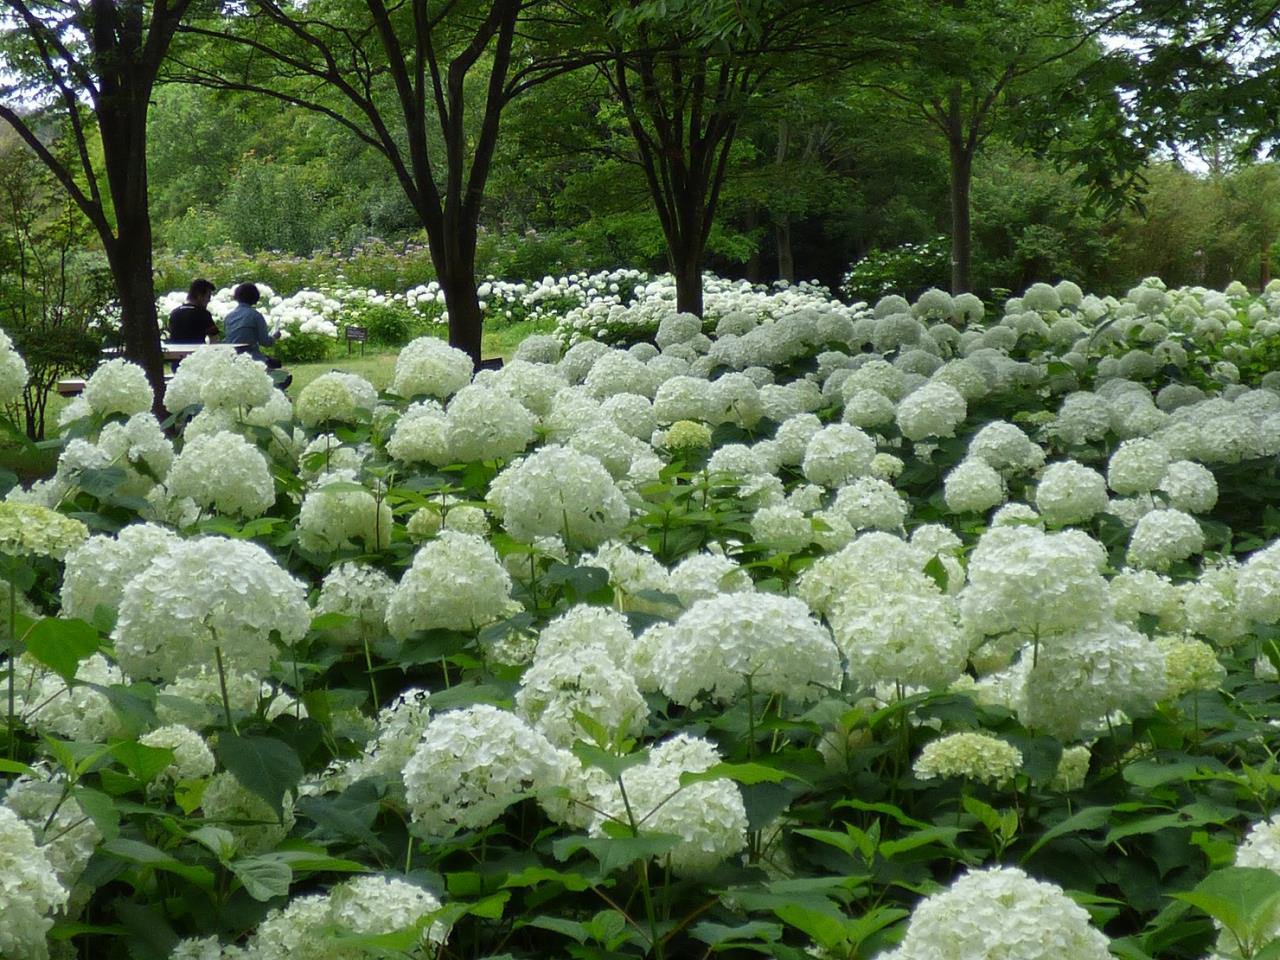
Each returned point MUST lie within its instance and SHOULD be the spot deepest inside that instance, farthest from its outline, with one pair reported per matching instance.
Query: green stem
(13, 665)
(368, 662)
(222, 682)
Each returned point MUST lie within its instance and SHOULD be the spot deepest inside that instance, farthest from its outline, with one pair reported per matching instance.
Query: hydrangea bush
(932, 629)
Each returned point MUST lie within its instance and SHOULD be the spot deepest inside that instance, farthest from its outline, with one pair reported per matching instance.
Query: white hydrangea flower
(1021, 578)
(973, 486)
(1137, 466)
(215, 375)
(141, 448)
(868, 409)
(583, 679)
(1082, 676)
(683, 398)
(118, 386)
(1211, 605)
(1163, 537)
(97, 570)
(709, 816)
(31, 891)
(836, 455)
(225, 473)
(233, 597)
(397, 731)
(1006, 448)
(1082, 417)
(782, 527)
(336, 397)
(1135, 592)
(1190, 487)
(876, 374)
(1073, 769)
(358, 591)
(430, 367)
(471, 764)
(1000, 914)
(13, 371)
(717, 643)
(933, 410)
(979, 757)
(1070, 492)
(63, 832)
(334, 515)
(421, 435)
(558, 491)
(78, 711)
(1189, 664)
(456, 582)
(487, 424)
(701, 576)
(868, 503)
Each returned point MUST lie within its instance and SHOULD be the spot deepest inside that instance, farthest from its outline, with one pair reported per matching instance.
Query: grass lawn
(377, 365)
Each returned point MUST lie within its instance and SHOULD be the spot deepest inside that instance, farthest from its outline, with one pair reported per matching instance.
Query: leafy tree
(686, 75)
(92, 64)
(968, 65)
(51, 290)
(424, 85)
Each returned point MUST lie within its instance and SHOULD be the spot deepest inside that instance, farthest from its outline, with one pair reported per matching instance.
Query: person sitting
(246, 325)
(192, 322)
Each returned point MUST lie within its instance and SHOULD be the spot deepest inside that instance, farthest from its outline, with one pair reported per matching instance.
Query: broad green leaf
(142, 761)
(146, 855)
(1192, 815)
(218, 841)
(263, 877)
(533, 876)
(824, 927)
(1242, 899)
(747, 773)
(1090, 818)
(61, 644)
(614, 853)
(612, 764)
(99, 808)
(263, 765)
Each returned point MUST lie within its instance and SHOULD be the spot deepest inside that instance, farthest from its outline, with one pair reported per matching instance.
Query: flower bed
(907, 631)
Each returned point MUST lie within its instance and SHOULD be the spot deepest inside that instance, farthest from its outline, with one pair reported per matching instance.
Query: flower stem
(222, 682)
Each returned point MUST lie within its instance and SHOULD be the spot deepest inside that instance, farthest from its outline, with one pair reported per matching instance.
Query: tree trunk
(786, 259)
(454, 256)
(136, 290)
(961, 229)
(686, 266)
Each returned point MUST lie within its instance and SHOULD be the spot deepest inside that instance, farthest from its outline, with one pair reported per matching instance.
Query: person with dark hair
(246, 324)
(192, 322)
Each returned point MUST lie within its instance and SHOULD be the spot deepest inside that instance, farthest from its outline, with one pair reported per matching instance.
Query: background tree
(965, 65)
(52, 291)
(424, 86)
(686, 75)
(91, 65)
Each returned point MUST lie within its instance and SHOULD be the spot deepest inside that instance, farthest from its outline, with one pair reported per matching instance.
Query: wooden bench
(74, 386)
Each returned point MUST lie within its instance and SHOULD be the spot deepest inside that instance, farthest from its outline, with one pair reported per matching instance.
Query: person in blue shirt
(245, 324)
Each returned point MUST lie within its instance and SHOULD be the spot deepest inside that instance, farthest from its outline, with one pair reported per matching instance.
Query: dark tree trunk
(961, 228)
(456, 272)
(786, 259)
(135, 287)
(686, 266)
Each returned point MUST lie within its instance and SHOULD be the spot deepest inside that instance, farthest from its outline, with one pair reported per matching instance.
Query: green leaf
(1242, 899)
(263, 877)
(263, 765)
(533, 876)
(614, 853)
(142, 761)
(824, 927)
(610, 763)
(135, 851)
(61, 644)
(747, 773)
(1192, 815)
(1090, 818)
(937, 571)
(99, 808)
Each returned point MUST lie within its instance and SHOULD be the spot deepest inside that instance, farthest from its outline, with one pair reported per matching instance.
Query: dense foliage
(908, 630)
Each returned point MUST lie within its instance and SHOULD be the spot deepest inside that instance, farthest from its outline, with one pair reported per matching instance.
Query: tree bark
(961, 228)
(686, 266)
(454, 260)
(786, 259)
